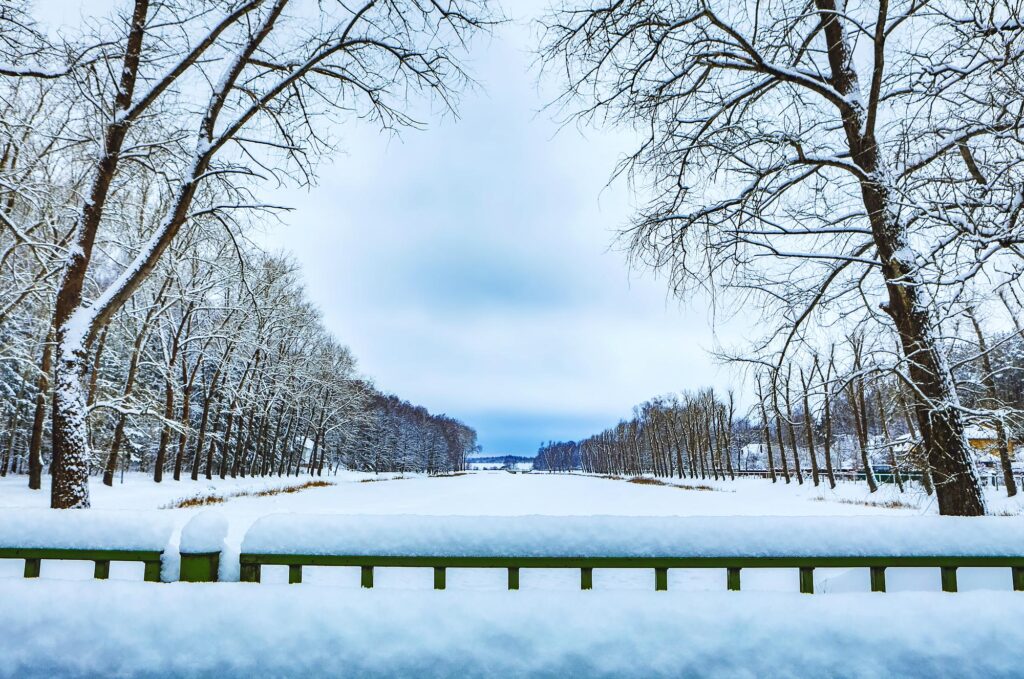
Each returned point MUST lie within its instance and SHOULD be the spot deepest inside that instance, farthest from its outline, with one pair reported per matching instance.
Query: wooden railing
(101, 559)
(251, 565)
(656, 544)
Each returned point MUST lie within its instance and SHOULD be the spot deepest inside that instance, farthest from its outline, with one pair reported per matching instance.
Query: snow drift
(236, 630)
(619, 536)
(94, 529)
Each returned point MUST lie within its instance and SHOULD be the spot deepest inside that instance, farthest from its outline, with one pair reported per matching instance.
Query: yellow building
(984, 438)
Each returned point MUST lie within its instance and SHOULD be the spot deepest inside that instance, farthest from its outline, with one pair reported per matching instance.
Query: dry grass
(215, 499)
(696, 486)
(646, 481)
(267, 492)
(883, 504)
(196, 501)
(376, 480)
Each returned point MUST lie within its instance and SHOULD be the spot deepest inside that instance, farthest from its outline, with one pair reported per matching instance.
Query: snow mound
(619, 536)
(204, 533)
(134, 629)
(85, 529)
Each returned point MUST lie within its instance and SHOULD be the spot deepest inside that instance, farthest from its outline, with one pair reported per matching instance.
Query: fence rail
(655, 544)
(204, 567)
(101, 559)
(251, 565)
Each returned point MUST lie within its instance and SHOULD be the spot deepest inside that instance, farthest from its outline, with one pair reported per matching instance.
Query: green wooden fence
(101, 559)
(251, 565)
(203, 567)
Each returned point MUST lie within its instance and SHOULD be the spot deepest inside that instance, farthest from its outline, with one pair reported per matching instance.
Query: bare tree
(796, 151)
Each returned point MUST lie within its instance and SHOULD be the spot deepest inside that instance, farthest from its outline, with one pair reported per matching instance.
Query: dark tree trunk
(35, 447)
(992, 402)
(70, 488)
(766, 428)
(951, 461)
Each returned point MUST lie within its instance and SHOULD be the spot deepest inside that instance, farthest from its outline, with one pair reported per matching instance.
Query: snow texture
(204, 533)
(617, 536)
(93, 529)
(236, 630)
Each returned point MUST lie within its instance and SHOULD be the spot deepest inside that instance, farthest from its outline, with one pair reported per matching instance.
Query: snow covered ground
(60, 629)
(328, 626)
(500, 493)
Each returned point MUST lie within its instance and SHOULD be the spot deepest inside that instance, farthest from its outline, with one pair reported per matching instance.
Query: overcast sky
(472, 266)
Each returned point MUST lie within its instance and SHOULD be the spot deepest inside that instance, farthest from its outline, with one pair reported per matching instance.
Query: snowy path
(494, 493)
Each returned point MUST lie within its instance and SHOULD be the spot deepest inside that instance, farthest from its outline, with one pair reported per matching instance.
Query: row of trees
(217, 366)
(138, 323)
(841, 414)
(692, 434)
(845, 169)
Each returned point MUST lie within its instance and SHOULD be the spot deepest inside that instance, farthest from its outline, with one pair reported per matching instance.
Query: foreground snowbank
(236, 630)
(636, 536)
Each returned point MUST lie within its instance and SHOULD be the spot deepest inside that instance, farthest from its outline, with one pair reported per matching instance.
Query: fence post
(878, 578)
(202, 541)
(806, 580)
(366, 577)
(199, 567)
(732, 579)
(660, 579)
(32, 567)
(295, 574)
(101, 569)
(439, 577)
(249, 572)
(1018, 578)
(586, 578)
(152, 571)
(948, 578)
(513, 577)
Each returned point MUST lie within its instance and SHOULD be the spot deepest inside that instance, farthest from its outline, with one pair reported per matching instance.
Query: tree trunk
(992, 399)
(791, 426)
(767, 432)
(888, 441)
(952, 463)
(165, 431)
(809, 429)
(778, 430)
(70, 488)
(35, 448)
(860, 423)
(827, 417)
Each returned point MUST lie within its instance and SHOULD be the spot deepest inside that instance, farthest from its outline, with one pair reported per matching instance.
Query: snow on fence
(513, 543)
(657, 543)
(202, 542)
(36, 535)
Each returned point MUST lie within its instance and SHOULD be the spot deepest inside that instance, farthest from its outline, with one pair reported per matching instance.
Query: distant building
(983, 438)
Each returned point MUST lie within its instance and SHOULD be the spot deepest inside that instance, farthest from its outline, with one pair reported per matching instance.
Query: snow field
(240, 630)
(67, 624)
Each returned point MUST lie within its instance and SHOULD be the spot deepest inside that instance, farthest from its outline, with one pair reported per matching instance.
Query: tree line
(140, 325)
(838, 416)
